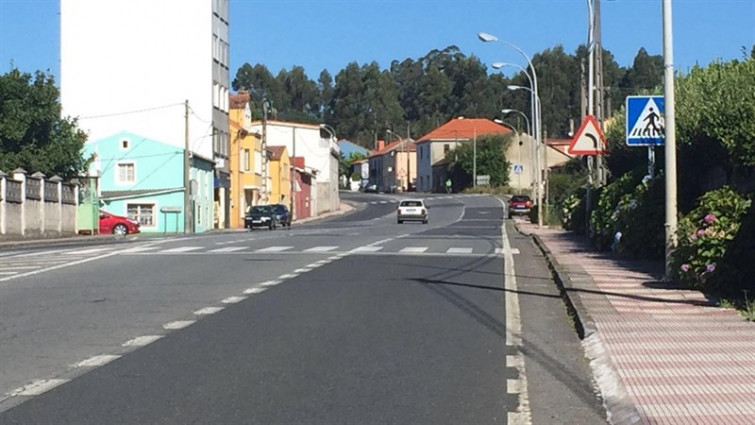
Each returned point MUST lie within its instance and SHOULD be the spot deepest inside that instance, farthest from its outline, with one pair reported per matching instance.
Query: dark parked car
(519, 204)
(261, 216)
(371, 188)
(282, 214)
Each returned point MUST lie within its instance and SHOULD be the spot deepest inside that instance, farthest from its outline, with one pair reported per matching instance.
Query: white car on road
(412, 209)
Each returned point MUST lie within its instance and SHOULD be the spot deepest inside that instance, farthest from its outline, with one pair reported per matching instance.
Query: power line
(114, 114)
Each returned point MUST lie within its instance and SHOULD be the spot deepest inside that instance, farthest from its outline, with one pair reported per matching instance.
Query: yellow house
(245, 160)
(280, 175)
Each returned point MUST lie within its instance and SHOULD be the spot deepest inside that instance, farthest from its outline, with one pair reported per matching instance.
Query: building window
(446, 148)
(258, 162)
(246, 161)
(124, 144)
(143, 213)
(126, 173)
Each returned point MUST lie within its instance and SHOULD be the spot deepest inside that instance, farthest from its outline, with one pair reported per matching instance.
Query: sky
(330, 34)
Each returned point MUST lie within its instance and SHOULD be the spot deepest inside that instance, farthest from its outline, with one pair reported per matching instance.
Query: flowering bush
(704, 237)
(603, 217)
(639, 217)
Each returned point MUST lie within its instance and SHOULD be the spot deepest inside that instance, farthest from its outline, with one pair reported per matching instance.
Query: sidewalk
(659, 355)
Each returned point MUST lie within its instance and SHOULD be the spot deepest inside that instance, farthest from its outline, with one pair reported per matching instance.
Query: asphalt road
(350, 320)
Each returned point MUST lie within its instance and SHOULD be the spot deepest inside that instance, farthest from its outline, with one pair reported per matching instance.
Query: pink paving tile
(684, 363)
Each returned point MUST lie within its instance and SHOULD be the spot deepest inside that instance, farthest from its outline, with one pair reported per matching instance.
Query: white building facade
(320, 153)
(154, 68)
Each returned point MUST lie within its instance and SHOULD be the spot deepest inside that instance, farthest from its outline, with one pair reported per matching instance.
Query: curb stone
(620, 409)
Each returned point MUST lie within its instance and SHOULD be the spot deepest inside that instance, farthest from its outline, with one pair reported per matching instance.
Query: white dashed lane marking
(274, 249)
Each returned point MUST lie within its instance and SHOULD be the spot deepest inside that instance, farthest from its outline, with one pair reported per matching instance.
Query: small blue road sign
(518, 168)
(645, 125)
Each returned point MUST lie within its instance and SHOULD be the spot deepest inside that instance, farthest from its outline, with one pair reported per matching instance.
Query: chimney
(381, 145)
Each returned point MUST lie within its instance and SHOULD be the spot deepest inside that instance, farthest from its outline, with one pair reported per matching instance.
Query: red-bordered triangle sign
(589, 139)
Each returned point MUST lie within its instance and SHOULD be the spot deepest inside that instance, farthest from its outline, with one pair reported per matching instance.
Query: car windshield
(259, 209)
(411, 204)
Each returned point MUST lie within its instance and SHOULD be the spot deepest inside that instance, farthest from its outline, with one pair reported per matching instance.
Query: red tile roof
(239, 100)
(276, 152)
(464, 129)
(393, 146)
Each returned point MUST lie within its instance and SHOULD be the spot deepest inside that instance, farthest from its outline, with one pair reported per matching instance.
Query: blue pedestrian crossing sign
(518, 168)
(645, 125)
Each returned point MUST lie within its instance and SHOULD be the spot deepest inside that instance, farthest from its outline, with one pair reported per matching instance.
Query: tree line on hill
(415, 96)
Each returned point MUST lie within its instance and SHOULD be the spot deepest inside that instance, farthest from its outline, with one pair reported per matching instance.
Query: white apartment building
(134, 65)
(320, 153)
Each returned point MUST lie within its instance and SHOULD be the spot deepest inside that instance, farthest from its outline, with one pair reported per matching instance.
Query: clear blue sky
(328, 34)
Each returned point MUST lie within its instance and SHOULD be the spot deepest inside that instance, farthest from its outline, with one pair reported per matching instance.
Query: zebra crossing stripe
(368, 249)
(228, 249)
(414, 250)
(321, 249)
(181, 249)
(459, 251)
(274, 249)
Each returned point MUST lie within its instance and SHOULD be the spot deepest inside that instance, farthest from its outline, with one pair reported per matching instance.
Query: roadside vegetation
(716, 174)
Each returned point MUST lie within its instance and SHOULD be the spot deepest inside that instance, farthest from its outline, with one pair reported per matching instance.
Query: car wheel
(120, 230)
(400, 221)
(424, 221)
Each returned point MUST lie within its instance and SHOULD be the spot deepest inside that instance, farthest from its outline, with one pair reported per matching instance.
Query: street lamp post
(487, 38)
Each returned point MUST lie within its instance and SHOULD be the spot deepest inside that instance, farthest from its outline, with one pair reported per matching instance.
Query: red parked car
(519, 204)
(117, 225)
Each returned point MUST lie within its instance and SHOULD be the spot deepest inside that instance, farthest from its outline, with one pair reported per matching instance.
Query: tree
(645, 75)
(32, 134)
(325, 88)
(491, 160)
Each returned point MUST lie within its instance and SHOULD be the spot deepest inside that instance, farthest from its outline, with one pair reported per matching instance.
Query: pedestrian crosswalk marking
(274, 249)
(368, 249)
(139, 249)
(228, 249)
(182, 249)
(414, 249)
(85, 251)
(459, 251)
(321, 249)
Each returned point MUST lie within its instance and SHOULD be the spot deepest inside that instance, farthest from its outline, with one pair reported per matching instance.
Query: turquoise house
(143, 179)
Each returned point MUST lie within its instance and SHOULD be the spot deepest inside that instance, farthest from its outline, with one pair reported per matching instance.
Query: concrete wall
(36, 213)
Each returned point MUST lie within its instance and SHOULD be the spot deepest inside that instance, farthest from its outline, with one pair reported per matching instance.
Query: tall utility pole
(670, 140)
(188, 213)
(599, 94)
(265, 107)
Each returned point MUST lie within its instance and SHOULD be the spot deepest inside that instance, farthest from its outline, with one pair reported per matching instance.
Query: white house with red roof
(393, 167)
(432, 148)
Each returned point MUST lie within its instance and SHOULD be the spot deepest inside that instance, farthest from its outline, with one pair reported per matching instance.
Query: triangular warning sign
(589, 139)
(650, 124)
